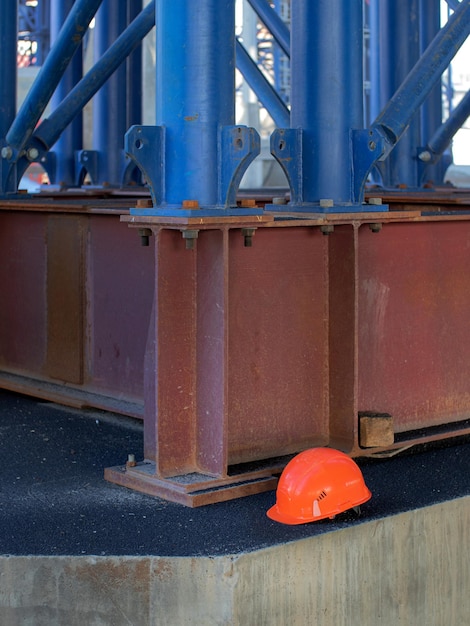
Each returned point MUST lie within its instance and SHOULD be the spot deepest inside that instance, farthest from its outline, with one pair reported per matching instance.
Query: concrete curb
(411, 568)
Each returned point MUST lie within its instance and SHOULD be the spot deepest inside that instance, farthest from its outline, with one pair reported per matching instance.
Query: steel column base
(193, 489)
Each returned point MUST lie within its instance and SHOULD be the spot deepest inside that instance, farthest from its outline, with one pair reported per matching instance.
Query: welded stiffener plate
(257, 352)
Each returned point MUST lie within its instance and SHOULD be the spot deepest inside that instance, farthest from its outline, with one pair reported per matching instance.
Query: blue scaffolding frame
(321, 142)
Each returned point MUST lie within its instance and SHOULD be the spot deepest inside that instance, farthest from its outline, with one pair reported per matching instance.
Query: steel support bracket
(238, 147)
(86, 161)
(286, 148)
(145, 146)
(367, 148)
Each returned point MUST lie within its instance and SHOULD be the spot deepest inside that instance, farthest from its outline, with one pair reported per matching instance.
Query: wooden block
(375, 429)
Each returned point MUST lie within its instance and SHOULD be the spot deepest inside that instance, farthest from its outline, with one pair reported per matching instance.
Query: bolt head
(425, 156)
(32, 154)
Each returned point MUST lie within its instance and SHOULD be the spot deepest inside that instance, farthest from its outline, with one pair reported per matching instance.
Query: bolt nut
(32, 154)
(190, 237)
(144, 234)
(248, 234)
(425, 156)
(326, 203)
(327, 229)
(131, 462)
(376, 227)
(7, 152)
(280, 200)
(375, 201)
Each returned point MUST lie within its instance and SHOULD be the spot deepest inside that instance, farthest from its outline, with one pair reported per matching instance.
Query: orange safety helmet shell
(316, 484)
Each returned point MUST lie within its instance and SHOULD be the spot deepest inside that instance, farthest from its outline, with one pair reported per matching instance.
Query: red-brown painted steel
(414, 329)
(77, 292)
(242, 354)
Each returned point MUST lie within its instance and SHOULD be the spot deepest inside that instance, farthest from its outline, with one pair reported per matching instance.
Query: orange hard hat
(316, 484)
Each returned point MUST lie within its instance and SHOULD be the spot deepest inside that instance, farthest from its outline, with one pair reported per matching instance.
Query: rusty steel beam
(258, 352)
(241, 340)
(73, 318)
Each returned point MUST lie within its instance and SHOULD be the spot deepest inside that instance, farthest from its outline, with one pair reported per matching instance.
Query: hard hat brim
(275, 514)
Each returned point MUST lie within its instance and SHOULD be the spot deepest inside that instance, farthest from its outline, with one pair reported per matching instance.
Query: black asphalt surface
(54, 500)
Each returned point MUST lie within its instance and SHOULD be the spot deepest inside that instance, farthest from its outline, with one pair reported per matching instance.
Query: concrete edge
(411, 568)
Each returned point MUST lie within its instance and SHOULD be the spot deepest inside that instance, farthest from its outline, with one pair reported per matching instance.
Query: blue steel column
(134, 73)
(8, 70)
(8, 37)
(398, 52)
(431, 111)
(109, 104)
(319, 152)
(195, 156)
(195, 92)
(71, 139)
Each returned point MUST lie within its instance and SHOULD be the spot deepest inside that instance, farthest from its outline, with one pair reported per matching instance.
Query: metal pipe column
(8, 37)
(325, 154)
(8, 73)
(326, 92)
(431, 111)
(109, 104)
(134, 73)
(399, 51)
(71, 139)
(195, 156)
(195, 92)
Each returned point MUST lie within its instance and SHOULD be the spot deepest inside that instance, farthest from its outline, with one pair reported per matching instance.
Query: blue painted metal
(17, 154)
(273, 23)
(33, 30)
(50, 129)
(62, 169)
(110, 103)
(443, 135)
(431, 111)
(325, 154)
(187, 157)
(8, 30)
(134, 72)
(453, 4)
(50, 74)
(263, 89)
(281, 59)
(396, 116)
(397, 51)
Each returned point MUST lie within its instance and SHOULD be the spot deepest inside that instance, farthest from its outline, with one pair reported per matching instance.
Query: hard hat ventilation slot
(322, 495)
